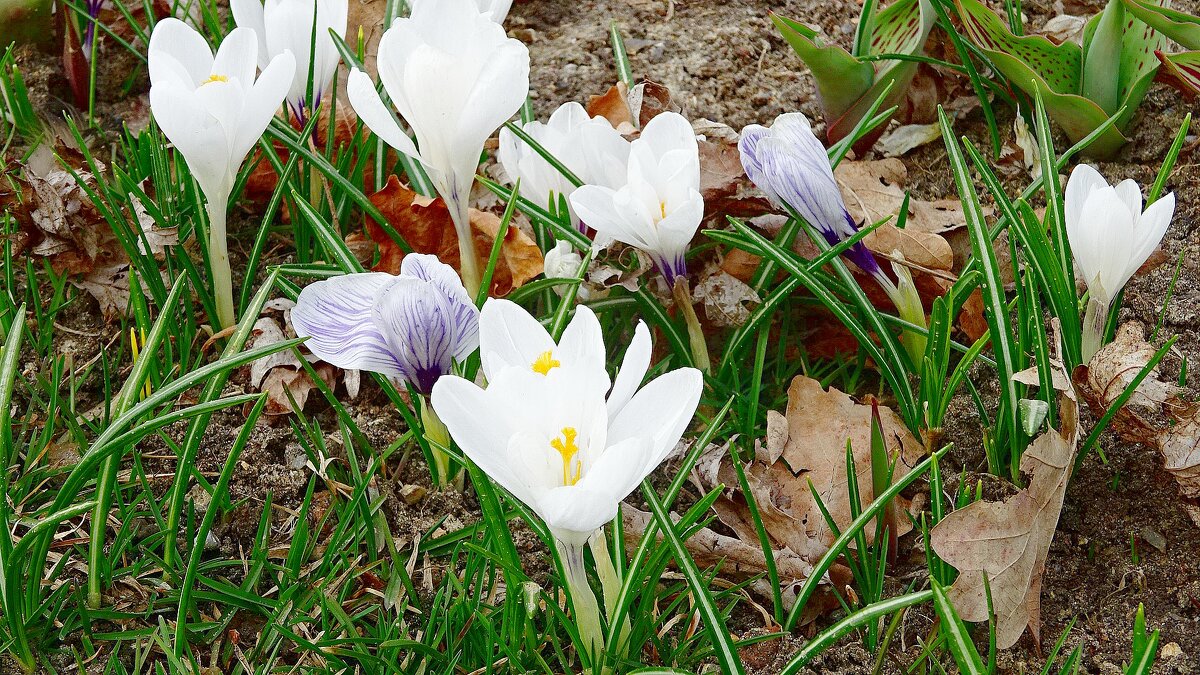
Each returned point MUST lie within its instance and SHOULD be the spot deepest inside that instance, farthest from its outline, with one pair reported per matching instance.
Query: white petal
(574, 513)
(371, 111)
(616, 215)
(660, 412)
(186, 46)
(582, 342)
(620, 469)
(677, 229)
(481, 430)
(249, 14)
(1108, 243)
(509, 337)
(1083, 181)
(633, 370)
(262, 102)
(499, 91)
(336, 316)
(1130, 193)
(237, 57)
(1150, 229)
(197, 135)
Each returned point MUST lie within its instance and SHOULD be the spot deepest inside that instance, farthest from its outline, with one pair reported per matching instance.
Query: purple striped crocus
(411, 327)
(789, 164)
(89, 32)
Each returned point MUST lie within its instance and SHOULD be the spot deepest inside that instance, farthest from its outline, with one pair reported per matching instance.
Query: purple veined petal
(427, 267)
(751, 163)
(671, 267)
(801, 184)
(464, 314)
(425, 329)
(336, 317)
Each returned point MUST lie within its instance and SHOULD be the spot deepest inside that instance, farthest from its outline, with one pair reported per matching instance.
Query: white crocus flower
(510, 337)
(214, 111)
(287, 25)
(587, 146)
(496, 10)
(659, 208)
(544, 430)
(455, 77)
(563, 262)
(1111, 237)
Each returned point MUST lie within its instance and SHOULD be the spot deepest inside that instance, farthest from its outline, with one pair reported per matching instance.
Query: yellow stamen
(662, 209)
(567, 449)
(136, 347)
(215, 78)
(545, 363)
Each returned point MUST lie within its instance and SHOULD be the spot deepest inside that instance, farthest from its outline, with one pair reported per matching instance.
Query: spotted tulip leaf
(1077, 115)
(902, 28)
(1058, 68)
(1174, 24)
(841, 78)
(1138, 62)
(1183, 70)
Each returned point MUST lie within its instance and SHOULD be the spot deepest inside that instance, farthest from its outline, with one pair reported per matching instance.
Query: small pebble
(1155, 539)
(411, 494)
(1171, 650)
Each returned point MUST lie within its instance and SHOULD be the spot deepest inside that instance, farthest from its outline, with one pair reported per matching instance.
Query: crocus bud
(287, 25)
(789, 164)
(1110, 238)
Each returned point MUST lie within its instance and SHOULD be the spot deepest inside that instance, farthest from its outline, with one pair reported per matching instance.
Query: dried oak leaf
(282, 373)
(631, 109)
(1008, 541)
(874, 190)
(426, 225)
(1155, 415)
(727, 300)
(808, 443)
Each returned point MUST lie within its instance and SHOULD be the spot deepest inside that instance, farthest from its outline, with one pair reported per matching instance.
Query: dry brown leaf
(427, 227)
(723, 182)
(1155, 415)
(282, 373)
(1009, 540)
(874, 190)
(1117, 363)
(727, 300)
(109, 285)
(809, 444)
(613, 105)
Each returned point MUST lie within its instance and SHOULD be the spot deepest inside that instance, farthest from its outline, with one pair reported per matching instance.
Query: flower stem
(908, 306)
(439, 437)
(468, 258)
(610, 584)
(218, 261)
(583, 600)
(1095, 320)
(683, 298)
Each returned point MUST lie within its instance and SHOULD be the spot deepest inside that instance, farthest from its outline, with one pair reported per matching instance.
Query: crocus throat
(545, 363)
(567, 450)
(215, 77)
